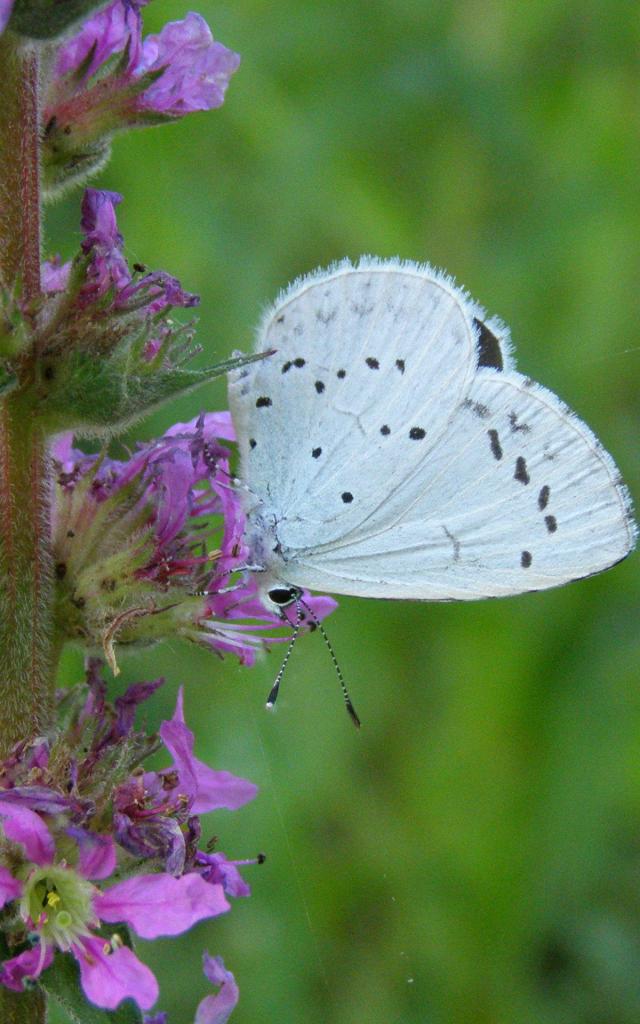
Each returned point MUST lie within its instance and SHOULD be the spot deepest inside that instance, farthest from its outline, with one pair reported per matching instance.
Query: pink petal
(159, 904)
(29, 964)
(10, 887)
(208, 789)
(220, 789)
(26, 827)
(97, 853)
(216, 424)
(217, 1009)
(109, 977)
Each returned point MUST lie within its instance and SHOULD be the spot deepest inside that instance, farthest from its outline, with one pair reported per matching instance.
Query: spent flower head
(153, 546)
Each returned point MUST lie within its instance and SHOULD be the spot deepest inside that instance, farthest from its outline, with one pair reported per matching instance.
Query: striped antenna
(273, 694)
(348, 703)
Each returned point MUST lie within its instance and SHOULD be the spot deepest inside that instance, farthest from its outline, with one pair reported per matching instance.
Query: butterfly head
(277, 596)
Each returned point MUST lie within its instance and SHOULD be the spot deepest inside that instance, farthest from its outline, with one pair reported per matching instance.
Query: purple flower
(179, 70)
(62, 907)
(195, 69)
(107, 269)
(153, 808)
(6, 7)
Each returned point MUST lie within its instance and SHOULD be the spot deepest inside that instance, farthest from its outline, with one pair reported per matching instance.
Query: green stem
(27, 649)
(27, 652)
(19, 168)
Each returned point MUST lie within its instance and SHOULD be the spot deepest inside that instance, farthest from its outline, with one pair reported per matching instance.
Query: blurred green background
(473, 855)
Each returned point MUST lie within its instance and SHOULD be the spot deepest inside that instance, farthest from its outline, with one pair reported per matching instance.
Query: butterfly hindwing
(517, 495)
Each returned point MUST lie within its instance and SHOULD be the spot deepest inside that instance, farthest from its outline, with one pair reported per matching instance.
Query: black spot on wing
(252, 442)
(494, 441)
(417, 433)
(551, 523)
(287, 366)
(299, 362)
(516, 426)
(319, 386)
(543, 497)
(316, 453)
(372, 363)
(263, 402)
(347, 497)
(341, 374)
(489, 352)
(477, 408)
(400, 365)
(385, 430)
(521, 473)
(525, 559)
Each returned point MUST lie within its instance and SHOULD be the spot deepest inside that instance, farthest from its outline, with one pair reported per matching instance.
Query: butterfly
(390, 449)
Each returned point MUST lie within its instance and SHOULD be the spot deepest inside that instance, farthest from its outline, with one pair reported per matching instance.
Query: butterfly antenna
(273, 694)
(348, 703)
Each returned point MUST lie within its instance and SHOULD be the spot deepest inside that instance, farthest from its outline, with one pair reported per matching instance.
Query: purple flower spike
(196, 68)
(217, 1009)
(161, 905)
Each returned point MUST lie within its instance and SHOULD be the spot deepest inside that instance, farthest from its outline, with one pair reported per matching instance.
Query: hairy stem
(19, 169)
(27, 652)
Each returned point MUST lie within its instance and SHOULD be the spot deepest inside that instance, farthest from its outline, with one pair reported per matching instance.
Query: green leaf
(100, 397)
(62, 983)
(48, 19)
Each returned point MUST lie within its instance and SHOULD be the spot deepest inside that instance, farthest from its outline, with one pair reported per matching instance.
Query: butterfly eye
(284, 596)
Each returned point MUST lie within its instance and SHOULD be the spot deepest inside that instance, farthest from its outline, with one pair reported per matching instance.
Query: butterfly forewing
(362, 358)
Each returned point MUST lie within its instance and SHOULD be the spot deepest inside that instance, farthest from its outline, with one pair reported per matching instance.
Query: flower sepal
(100, 396)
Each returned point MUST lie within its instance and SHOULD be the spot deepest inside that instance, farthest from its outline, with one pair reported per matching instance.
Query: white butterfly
(390, 449)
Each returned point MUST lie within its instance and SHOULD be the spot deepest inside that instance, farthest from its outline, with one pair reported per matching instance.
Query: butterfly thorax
(265, 554)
